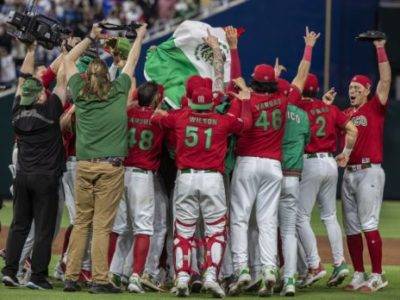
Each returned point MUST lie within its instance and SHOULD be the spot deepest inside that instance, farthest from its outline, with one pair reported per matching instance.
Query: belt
(318, 155)
(114, 160)
(138, 170)
(353, 168)
(186, 171)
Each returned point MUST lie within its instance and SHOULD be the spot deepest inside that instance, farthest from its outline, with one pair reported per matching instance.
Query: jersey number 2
(146, 139)
(192, 136)
(321, 122)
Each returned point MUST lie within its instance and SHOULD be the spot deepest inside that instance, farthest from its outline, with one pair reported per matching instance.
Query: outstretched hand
(231, 36)
(278, 68)
(329, 96)
(211, 40)
(379, 43)
(311, 37)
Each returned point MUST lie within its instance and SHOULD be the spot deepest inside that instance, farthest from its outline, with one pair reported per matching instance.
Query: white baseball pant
(318, 183)
(68, 182)
(254, 250)
(199, 192)
(157, 241)
(362, 193)
(287, 223)
(256, 181)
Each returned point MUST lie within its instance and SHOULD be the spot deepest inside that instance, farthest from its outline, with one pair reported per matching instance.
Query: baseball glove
(370, 36)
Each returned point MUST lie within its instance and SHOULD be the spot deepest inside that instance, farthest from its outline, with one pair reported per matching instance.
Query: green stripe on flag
(169, 66)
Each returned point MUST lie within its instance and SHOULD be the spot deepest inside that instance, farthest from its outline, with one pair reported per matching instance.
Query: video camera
(30, 26)
(130, 29)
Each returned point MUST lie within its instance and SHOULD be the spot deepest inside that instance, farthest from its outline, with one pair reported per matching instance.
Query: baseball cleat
(196, 283)
(243, 279)
(181, 288)
(289, 287)
(374, 283)
(116, 280)
(10, 281)
(314, 275)
(339, 274)
(210, 284)
(150, 282)
(359, 279)
(268, 282)
(135, 285)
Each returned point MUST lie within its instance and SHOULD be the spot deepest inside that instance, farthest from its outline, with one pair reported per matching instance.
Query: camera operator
(101, 145)
(40, 164)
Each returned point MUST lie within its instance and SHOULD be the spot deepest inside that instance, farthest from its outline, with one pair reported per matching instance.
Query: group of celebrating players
(223, 188)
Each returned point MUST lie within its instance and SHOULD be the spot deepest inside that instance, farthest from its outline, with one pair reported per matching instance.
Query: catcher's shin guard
(215, 243)
(183, 243)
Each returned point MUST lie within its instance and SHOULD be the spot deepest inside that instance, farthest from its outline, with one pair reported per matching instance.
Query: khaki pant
(98, 190)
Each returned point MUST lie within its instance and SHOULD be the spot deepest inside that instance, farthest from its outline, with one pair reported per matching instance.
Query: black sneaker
(71, 286)
(10, 281)
(107, 288)
(39, 285)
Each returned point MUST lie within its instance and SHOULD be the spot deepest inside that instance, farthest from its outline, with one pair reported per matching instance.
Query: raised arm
(28, 66)
(236, 70)
(350, 140)
(218, 62)
(304, 68)
(61, 86)
(385, 73)
(134, 53)
(72, 56)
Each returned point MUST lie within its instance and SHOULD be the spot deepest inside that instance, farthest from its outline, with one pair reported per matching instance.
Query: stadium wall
(274, 29)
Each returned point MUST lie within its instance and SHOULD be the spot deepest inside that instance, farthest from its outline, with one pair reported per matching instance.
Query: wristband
(92, 40)
(381, 53)
(347, 151)
(25, 75)
(307, 53)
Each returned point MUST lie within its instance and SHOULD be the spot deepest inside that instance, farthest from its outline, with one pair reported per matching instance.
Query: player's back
(202, 139)
(264, 138)
(324, 122)
(144, 139)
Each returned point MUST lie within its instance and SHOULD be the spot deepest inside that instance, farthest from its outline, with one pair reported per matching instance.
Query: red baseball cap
(264, 73)
(202, 99)
(311, 84)
(363, 80)
(283, 85)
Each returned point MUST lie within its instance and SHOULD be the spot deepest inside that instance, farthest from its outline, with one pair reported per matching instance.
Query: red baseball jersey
(369, 120)
(264, 138)
(325, 120)
(69, 136)
(201, 138)
(144, 140)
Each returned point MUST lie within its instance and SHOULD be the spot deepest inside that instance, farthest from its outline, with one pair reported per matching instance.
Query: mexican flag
(184, 54)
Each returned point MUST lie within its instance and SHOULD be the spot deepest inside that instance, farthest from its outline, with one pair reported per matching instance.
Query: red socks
(66, 239)
(111, 246)
(374, 242)
(140, 250)
(355, 245)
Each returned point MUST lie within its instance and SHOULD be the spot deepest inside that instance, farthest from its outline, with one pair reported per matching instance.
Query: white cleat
(289, 287)
(58, 272)
(181, 288)
(210, 284)
(243, 280)
(374, 283)
(134, 284)
(268, 283)
(359, 279)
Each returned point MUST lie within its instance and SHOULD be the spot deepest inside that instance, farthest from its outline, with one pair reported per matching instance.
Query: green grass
(319, 291)
(389, 225)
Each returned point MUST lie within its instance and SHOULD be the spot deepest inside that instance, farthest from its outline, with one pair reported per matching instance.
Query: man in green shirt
(101, 145)
(297, 135)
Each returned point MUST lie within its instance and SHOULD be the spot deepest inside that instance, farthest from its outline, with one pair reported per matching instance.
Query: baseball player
(257, 176)
(319, 181)
(364, 178)
(201, 146)
(145, 141)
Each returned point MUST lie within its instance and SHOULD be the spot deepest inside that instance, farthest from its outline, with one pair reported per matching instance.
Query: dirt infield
(390, 248)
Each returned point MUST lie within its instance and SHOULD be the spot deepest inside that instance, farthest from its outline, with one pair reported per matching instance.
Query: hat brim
(27, 100)
(195, 106)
